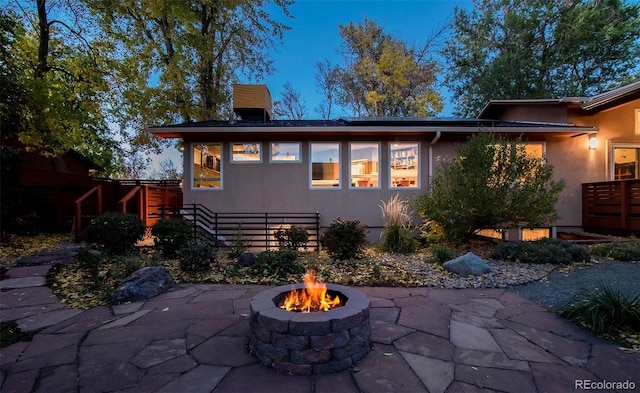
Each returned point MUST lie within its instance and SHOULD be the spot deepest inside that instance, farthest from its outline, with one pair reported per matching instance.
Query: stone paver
(194, 339)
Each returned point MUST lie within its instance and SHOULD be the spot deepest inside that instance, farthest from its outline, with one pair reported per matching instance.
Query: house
(346, 167)
(602, 183)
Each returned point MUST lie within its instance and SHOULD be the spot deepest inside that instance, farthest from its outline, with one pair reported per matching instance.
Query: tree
(291, 105)
(328, 84)
(178, 59)
(491, 183)
(508, 49)
(167, 171)
(383, 76)
(55, 81)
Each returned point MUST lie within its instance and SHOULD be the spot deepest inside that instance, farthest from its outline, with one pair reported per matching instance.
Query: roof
(599, 102)
(365, 126)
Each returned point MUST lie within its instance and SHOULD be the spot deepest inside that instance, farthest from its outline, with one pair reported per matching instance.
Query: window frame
(192, 183)
(379, 146)
(299, 160)
(418, 184)
(234, 161)
(339, 186)
(612, 157)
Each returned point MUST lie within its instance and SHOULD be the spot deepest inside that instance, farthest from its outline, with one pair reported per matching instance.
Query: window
(285, 152)
(626, 161)
(404, 164)
(246, 152)
(364, 168)
(207, 165)
(325, 165)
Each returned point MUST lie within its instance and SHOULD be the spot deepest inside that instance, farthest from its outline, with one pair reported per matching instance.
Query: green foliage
(441, 253)
(432, 232)
(490, 183)
(605, 310)
(506, 49)
(382, 75)
(397, 235)
(280, 263)
(91, 260)
(117, 232)
(627, 250)
(196, 256)
(344, 239)
(554, 251)
(239, 244)
(293, 237)
(171, 235)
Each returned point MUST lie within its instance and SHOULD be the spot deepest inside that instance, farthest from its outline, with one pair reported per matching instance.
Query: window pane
(246, 152)
(364, 166)
(404, 159)
(207, 168)
(626, 163)
(325, 165)
(285, 152)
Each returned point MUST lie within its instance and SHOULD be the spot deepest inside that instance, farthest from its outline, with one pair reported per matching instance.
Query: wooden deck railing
(97, 191)
(611, 205)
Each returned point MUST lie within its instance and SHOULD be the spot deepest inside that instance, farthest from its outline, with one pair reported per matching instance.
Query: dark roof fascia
(373, 128)
(494, 108)
(613, 98)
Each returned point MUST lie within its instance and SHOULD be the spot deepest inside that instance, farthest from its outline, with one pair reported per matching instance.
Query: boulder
(467, 265)
(246, 259)
(143, 284)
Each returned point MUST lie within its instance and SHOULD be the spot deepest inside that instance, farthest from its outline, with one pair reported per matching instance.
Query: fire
(313, 297)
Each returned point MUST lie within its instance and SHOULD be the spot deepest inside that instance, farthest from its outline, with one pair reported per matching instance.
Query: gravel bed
(563, 285)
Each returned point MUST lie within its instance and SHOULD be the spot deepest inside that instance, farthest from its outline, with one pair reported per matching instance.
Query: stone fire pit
(309, 343)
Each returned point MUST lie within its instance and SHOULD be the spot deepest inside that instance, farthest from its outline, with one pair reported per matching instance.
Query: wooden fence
(611, 205)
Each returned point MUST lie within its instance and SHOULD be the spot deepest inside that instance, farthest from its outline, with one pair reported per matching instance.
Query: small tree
(491, 183)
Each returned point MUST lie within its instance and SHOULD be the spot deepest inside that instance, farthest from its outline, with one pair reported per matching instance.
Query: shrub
(91, 261)
(344, 239)
(396, 235)
(171, 235)
(441, 253)
(196, 256)
(278, 263)
(239, 244)
(491, 183)
(553, 251)
(294, 237)
(115, 231)
(628, 250)
(605, 310)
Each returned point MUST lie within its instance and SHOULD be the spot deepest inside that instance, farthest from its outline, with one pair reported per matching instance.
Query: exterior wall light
(593, 142)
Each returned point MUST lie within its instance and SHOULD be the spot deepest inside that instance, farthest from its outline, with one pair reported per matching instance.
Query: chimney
(252, 102)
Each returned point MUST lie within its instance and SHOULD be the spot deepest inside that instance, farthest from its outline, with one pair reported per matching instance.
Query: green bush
(344, 239)
(117, 232)
(628, 250)
(490, 183)
(554, 251)
(441, 253)
(294, 237)
(196, 256)
(171, 235)
(91, 260)
(396, 235)
(605, 310)
(278, 263)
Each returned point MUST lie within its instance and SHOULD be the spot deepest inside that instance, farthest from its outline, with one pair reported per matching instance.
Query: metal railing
(256, 230)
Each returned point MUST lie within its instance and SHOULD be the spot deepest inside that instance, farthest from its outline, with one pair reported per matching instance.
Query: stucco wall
(285, 187)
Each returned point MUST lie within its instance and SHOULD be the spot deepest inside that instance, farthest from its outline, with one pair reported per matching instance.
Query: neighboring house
(611, 169)
(345, 168)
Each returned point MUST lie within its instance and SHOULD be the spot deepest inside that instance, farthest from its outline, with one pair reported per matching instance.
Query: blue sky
(314, 37)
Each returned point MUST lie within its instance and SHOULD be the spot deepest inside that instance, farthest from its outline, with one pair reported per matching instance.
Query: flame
(313, 297)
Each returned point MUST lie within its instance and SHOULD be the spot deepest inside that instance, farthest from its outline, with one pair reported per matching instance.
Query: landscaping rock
(143, 284)
(246, 259)
(467, 265)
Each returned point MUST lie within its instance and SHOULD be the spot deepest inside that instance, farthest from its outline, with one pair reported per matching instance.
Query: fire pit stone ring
(309, 343)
